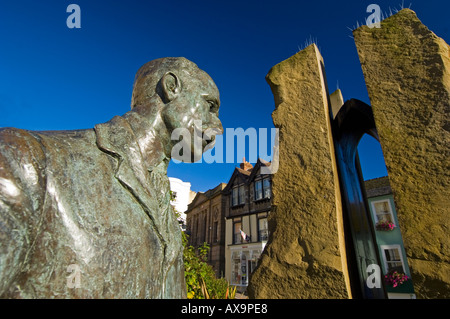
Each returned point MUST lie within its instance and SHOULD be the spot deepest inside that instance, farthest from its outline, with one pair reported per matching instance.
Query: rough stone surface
(407, 72)
(304, 257)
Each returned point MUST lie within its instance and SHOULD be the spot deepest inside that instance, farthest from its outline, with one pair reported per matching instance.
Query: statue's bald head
(181, 93)
(147, 82)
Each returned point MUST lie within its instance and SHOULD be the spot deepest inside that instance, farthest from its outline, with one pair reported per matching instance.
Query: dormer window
(262, 189)
(241, 195)
(266, 188)
(238, 196)
(258, 190)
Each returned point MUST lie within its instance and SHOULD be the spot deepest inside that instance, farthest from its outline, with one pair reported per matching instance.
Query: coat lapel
(117, 139)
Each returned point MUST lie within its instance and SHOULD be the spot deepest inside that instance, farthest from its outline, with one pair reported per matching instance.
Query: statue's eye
(212, 106)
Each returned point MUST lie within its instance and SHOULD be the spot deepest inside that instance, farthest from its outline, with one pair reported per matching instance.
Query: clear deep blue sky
(53, 77)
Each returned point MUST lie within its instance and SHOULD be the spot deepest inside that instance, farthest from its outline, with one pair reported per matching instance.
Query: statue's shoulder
(21, 144)
(22, 196)
(12, 135)
(22, 167)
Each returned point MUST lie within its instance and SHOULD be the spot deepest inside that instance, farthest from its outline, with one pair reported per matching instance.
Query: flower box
(385, 226)
(395, 278)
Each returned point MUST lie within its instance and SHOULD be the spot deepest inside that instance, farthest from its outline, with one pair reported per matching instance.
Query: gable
(257, 169)
(238, 177)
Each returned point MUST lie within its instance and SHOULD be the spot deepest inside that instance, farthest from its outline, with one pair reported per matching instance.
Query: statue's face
(195, 110)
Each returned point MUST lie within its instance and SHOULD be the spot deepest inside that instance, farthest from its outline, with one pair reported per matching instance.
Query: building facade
(247, 203)
(205, 221)
(388, 236)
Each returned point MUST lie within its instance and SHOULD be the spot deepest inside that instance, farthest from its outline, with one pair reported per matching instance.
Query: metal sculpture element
(87, 213)
(353, 120)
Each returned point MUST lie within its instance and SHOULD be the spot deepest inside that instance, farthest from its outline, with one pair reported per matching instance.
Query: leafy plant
(201, 281)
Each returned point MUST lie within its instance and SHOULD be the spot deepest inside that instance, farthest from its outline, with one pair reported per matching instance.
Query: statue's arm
(22, 189)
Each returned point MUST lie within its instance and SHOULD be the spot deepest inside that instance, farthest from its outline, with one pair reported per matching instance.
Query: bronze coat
(84, 198)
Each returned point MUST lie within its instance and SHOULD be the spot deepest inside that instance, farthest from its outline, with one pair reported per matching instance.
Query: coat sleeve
(22, 195)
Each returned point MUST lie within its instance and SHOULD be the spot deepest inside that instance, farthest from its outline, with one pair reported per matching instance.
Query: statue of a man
(86, 213)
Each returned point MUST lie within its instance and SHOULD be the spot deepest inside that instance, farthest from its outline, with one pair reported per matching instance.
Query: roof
(378, 187)
(246, 175)
(202, 197)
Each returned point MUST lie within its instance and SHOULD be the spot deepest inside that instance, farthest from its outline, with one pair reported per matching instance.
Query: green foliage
(201, 281)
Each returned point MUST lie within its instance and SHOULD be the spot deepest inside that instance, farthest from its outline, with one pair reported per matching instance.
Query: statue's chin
(191, 145)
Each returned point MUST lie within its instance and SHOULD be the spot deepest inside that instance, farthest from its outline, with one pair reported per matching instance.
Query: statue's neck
(152, 136)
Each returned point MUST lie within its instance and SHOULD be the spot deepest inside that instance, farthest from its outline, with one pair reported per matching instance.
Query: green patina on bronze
(97, 201)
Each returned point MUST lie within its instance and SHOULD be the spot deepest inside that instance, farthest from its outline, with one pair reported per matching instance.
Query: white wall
(183, 195)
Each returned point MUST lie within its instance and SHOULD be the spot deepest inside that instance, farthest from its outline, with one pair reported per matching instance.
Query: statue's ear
(171, 86)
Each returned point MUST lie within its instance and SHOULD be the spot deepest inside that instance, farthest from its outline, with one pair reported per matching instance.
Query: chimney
(246, 166)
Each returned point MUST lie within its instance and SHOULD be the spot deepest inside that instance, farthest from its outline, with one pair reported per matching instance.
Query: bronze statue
(86, 213)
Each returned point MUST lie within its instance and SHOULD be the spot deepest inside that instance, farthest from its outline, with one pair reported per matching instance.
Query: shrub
(201, 281)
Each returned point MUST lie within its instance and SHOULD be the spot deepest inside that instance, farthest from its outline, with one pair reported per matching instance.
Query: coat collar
(116, 138)
(150, 187)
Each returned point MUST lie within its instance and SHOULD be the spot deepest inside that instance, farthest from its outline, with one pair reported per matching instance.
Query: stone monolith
(305, 255)
(407, 73)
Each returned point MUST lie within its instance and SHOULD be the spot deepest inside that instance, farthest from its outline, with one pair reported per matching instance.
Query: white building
(182, 196)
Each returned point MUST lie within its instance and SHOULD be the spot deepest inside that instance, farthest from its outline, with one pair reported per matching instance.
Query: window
(244, 268)
(392, 258)
(258, 190)
(253, 261)
(238, 196)
(266, 188)
(243, 263)
(262, 189)
(237, 238)
(234, 197)
(382, 211)
(236, 273)
(263, 229)
(241, 194)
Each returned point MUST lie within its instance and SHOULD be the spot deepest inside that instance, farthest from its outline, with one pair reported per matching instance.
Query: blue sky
(53, 77)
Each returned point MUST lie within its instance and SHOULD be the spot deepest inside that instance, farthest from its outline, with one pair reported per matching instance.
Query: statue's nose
(214, 123)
